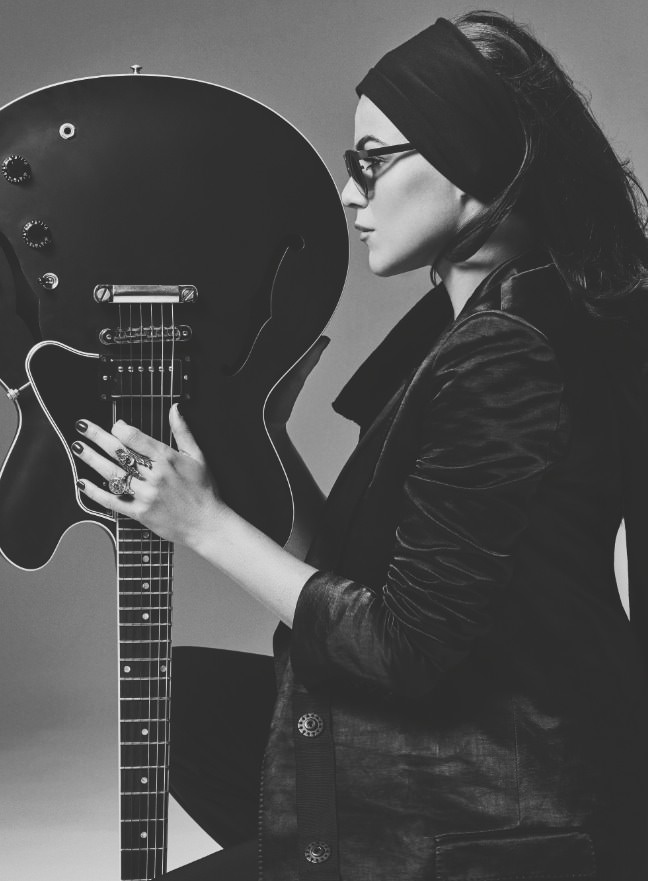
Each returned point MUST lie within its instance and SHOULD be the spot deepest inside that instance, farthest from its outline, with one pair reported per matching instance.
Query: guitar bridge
(116, 336)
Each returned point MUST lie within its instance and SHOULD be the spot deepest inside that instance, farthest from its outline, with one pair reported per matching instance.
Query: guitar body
(164, 183)
(168, 241)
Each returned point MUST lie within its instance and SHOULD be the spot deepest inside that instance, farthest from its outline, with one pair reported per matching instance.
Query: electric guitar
(170, 240)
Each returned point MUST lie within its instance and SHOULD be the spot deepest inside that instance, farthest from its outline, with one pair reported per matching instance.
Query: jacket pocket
(515, 855)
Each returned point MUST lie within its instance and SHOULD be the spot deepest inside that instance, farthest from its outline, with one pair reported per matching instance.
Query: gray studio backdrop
(57, 626)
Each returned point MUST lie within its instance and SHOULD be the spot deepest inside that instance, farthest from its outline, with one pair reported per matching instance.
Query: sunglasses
(357, 173)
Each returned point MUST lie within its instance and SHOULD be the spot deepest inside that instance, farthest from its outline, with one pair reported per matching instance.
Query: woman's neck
(512, 237)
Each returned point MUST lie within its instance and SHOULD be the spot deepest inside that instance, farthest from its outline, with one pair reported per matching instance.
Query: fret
(139, 608)
(144, 689)
(148, 847)
(148, 767)
(144, 593)
(142, 641)
(142, 678)
(145, 616)
(157, 574)
(137, 666)
(137, 804)
(131, 730)
(154, 573)
(132, 830)
(133, 709)
(137, 783)
(131, 536)
(143, 754)
(140, 577)
(145, 556)
(140, 865)
(149, 651)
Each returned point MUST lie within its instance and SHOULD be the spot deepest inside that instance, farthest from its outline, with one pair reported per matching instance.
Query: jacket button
(310, 724)
(317, 852)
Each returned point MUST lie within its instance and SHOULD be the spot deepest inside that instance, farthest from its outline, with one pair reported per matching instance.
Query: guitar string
(145, 798)
(160, 435)
(162, 438)
(167, 681)
(142, 802)
(145, 405)
(150, 814)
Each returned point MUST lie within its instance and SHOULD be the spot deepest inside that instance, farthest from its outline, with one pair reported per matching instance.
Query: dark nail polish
(77, 447)
(80, 484)
(80, 425)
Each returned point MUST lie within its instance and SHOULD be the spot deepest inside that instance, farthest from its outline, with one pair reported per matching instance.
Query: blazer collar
(528, 285)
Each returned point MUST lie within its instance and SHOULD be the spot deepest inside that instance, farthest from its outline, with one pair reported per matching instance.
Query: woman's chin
(384, 267)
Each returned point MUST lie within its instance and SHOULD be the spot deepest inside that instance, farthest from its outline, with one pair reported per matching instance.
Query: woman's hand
(175, 497)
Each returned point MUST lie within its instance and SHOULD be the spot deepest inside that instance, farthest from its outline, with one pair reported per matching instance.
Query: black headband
(448, 102)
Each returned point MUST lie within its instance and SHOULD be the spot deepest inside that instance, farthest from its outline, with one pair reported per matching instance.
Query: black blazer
(461, 695)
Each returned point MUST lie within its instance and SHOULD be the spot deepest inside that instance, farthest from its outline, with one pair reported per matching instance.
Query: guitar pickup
(149, 378)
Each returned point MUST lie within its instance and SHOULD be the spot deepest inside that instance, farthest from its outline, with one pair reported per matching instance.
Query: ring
(129, 460)
(120, 486)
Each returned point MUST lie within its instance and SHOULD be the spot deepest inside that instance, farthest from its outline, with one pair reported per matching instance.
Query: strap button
(317, 852)
(310, 724)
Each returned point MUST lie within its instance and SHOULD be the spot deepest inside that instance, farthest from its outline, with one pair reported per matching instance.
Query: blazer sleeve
(492, 422)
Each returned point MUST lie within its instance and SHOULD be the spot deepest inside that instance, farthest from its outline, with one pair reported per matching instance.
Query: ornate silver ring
(130, 459)
(120, 485)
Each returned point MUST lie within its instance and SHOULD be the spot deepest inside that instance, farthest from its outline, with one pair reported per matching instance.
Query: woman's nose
(351, 195)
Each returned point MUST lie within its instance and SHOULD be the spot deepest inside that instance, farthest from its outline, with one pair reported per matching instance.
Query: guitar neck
(144, 577)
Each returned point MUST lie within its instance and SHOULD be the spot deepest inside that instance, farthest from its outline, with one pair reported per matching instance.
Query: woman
(460, 694)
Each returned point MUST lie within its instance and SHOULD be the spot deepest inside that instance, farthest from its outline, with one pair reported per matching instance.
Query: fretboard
(145, 578)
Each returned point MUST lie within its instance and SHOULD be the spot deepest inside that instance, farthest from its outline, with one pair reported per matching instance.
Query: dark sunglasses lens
(354, 170)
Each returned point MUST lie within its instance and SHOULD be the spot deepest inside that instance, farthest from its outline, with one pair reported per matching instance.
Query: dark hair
(584, 204)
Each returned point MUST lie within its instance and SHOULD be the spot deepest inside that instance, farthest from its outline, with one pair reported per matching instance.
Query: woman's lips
(364, 235)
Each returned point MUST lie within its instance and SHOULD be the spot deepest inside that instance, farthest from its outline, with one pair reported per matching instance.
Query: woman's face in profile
(412, 209)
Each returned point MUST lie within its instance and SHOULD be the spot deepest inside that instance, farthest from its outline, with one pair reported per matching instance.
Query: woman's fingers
(105, 467)
(183, 437)
(106, 499)
(135, 439)
(122, 435)
(103, 439)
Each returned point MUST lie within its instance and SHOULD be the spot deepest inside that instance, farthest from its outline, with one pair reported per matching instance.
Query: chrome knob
(16, 169)
(37, 234)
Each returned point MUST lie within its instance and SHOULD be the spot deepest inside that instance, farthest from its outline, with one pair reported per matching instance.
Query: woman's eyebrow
(365, 139)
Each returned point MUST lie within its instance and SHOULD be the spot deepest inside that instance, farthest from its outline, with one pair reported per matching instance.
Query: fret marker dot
(144, 780)
(145, 731)
(147, 535)
(127, 669)
(146, 616)
(163, 668)
(146, 558)
(146, 585)
(143, 835)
